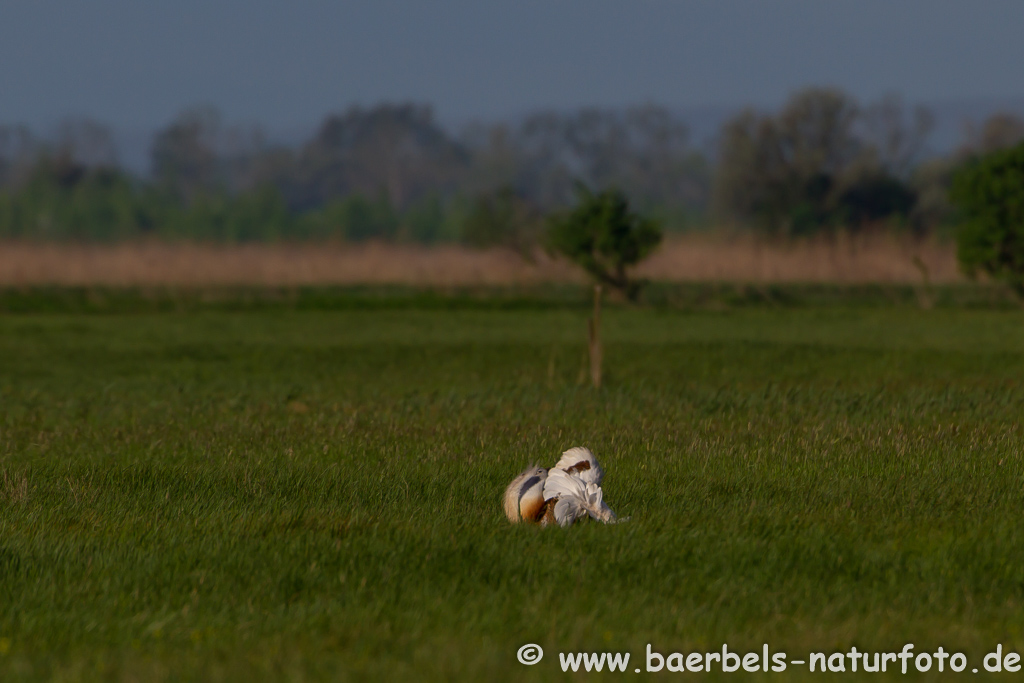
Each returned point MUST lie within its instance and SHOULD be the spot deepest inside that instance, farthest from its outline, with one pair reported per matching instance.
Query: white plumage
(569, 491)
(581, 463)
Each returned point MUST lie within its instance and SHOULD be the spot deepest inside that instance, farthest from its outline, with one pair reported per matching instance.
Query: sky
(133, 63)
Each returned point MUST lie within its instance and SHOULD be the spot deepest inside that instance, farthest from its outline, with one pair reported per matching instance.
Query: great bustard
(569, 491)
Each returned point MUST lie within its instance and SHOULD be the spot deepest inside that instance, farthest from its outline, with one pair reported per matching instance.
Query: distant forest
(822, 162)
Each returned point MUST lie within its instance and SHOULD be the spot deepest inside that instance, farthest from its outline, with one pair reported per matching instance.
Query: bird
(569, 491)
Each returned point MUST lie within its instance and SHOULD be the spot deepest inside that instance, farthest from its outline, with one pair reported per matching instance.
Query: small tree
(990, 194)
(603, 237)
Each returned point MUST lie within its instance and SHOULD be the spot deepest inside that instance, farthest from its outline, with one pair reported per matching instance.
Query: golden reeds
(845, 259)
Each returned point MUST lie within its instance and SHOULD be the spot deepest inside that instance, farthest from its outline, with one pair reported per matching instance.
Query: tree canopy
(604, 237)
(990, 193)
(821, 163)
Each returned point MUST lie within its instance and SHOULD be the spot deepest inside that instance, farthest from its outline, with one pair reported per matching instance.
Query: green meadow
(237, 491)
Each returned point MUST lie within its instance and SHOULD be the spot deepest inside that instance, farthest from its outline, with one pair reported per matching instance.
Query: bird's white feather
(575, 498)
(568, 510)
(581, 463)
(559, 483)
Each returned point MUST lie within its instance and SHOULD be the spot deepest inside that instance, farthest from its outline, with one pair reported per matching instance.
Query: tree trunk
(595, 340)
(924, 293)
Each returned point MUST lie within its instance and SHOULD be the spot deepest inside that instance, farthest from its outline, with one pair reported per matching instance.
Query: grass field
(314, 494)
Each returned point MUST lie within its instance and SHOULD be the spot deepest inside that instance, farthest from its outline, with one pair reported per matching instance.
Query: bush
(990, 195)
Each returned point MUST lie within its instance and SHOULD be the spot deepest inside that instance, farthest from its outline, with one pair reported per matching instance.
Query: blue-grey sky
(136, 63)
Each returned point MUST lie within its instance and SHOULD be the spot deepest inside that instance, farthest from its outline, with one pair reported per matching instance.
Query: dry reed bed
(863, 259)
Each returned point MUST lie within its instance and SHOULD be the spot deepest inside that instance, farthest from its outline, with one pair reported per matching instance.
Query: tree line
(822, 162)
